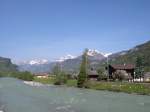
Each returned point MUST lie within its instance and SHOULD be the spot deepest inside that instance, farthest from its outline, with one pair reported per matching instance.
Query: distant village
(126, 70)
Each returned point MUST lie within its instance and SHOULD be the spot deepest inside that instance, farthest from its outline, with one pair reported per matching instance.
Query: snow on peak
(61, 59)
(107, 54)
(92, 52)
(36, 62)
(95, 52)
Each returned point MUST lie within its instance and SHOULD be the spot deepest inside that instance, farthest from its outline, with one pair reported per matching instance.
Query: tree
(120, 75)
(56, 70)
(82, 77)
(139, 71)
(22, 75)
(61, 76)
(102, 74)
(57, 73)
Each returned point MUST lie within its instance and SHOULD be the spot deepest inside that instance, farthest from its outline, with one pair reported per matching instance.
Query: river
(15, 96)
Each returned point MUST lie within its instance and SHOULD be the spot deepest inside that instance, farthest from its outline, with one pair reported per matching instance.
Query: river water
(15, 96)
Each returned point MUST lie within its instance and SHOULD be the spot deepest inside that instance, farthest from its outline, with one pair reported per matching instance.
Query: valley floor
(131, 88)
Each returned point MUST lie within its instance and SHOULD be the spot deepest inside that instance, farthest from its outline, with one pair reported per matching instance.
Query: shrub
(23, 75)
(102, 74)
(61, 78)
(120, 75)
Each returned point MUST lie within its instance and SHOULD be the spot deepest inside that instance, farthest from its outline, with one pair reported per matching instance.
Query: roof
(124, 66)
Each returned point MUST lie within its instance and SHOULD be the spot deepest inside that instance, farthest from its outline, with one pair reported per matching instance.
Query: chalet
(129, 68)
(92, 74)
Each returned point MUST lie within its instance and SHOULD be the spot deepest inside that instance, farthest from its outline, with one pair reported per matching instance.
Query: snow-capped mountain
(107, 54)
(94, 58)
(90, 53)
(35, 62)
(94, 52)
(35, 66)
(68, 62)
(61, 59)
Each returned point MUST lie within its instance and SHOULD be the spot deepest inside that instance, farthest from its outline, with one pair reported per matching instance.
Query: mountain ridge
(98, 59)
(6, 65)
(129, 56)
(68, 62)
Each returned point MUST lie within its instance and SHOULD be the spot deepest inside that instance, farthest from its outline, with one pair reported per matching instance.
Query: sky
(48, 29)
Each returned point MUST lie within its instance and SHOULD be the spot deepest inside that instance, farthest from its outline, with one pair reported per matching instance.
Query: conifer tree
(57, 73)
(139, 71)
(82, 77)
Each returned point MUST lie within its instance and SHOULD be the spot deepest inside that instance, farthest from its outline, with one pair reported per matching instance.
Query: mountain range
(96, 59)
(69, 62)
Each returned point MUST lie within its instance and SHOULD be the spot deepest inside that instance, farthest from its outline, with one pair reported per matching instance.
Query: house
(129, 68)
(41, 75)
(92, 74)
(147, 77)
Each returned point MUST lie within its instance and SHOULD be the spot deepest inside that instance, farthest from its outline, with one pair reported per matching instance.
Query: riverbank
(32, 83)
(126, 87)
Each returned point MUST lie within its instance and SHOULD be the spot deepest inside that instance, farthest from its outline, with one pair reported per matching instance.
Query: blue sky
(52, 28)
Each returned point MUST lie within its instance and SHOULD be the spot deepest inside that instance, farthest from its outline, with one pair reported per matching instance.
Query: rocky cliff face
(6, 65)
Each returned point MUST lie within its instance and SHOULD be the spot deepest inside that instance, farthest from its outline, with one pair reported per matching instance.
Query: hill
(129, 56)
(6, 65)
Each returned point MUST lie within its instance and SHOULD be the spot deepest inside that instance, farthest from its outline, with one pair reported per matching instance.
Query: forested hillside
(6, 65)
(129, 56)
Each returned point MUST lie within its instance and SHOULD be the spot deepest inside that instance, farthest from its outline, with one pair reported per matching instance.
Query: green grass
(71, 82)
(45, 80)
(137, 88)
(126, 87)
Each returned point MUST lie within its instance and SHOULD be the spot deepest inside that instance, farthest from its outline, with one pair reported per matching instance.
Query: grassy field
(44, 80)
(138, 88)
(71, 83)
(52, 81)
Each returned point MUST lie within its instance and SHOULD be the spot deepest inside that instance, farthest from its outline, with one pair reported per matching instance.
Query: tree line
(82, 78)
(20, 75)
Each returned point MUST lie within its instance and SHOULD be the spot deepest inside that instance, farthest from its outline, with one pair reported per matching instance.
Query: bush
(22, 75)
(57, 83)
(102, 77)
(61, 78)
(102, 74)
(120, 75)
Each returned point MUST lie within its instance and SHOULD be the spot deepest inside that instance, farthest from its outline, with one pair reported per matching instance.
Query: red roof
(125, 66)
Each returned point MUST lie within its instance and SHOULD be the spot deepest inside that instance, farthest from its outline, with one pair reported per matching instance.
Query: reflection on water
(15, 96)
